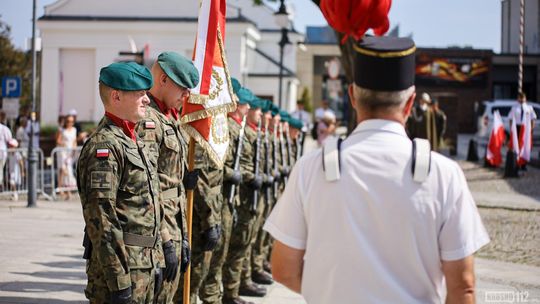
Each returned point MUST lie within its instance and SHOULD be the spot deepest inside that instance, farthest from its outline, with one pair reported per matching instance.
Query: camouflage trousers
(199, 267)
(255, 249)
(211, 291)
(142, 285)
(239, 245)
(168, 290)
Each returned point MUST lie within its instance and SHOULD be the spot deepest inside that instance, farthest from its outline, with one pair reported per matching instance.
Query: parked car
(485, 119)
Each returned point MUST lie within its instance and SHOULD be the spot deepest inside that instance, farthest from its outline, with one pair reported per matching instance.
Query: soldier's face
(133, 104)
(254, 115)
(294, 133)
(243, 109)
(173, 94)
(276, 119)
(267, 118)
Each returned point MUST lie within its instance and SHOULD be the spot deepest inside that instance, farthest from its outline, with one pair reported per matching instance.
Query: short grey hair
(381, 99)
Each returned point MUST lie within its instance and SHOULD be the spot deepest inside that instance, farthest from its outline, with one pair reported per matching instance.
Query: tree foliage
(15, 62)
(305, 99)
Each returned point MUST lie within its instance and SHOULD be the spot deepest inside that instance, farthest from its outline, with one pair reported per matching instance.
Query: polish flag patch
(149, 125)
(101, 153)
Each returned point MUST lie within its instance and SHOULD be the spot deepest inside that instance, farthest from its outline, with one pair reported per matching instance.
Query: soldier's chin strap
(421, 159)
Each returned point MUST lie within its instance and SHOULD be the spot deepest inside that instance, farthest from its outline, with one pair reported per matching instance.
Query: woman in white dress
(66, 138)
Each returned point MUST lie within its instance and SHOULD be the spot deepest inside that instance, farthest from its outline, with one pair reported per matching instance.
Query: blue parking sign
(11, 86)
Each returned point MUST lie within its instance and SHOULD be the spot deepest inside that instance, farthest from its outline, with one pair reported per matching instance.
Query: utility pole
(32, 153)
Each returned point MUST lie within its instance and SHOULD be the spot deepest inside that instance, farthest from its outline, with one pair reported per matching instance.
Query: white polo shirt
(517, 109)
(376, 236)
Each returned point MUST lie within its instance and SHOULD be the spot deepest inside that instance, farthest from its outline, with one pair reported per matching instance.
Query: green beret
(266, 105)
(126, 76)
(296, 123)
(235, 85)
(275, 110)
(255, 102)
(244, 96)
(180, 69)
(284, 115)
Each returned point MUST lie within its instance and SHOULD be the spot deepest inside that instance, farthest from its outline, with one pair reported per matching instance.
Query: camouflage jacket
(168, 148)
(208, 198)
(118, 187)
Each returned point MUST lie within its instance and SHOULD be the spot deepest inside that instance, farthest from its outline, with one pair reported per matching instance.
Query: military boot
(252, 290)
(261, 278)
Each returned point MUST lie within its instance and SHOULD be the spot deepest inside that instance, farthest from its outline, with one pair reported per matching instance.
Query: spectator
(326, 127)
(5, 138)
(440, 123)
(35, 123)
(66, 138)
(303, 115)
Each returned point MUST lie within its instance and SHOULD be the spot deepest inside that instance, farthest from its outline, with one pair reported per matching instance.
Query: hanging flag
(513, 143)
(205, 113)
(496, 140)
(525, 141)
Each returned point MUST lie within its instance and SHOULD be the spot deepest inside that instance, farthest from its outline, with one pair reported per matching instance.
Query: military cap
(384, 63)
(266, 105)
(180, 69)
(235, 85)
(126, 76)
(255, 103)
(284, 115)
(244, 96)
(296, 123)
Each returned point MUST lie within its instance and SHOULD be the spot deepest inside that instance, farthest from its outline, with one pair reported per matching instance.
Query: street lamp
(282, 20)
(32, 153)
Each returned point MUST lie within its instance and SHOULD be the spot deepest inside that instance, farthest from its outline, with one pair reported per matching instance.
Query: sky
(432, 23)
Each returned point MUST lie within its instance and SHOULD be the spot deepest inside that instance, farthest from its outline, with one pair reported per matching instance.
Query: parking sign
(11, 86)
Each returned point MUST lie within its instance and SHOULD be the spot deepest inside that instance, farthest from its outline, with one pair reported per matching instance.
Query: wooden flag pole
(191, 165)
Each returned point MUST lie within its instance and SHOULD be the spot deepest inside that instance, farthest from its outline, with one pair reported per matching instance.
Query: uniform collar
(236, 118)
(380, 125)
(127, 126)
(168, 112)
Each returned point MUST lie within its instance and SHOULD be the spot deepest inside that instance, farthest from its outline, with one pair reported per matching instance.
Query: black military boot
(262, 278)
(237, 300)
(267, 267)
(252, 290)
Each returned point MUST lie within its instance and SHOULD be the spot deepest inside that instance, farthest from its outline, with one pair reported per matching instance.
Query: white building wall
(510, 15)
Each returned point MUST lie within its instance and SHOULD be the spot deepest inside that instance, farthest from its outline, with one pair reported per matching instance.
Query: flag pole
(191, 165)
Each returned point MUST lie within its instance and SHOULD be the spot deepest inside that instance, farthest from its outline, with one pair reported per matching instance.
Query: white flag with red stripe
(513, 143)
(205, 113)
(496, 140)
(525, 141)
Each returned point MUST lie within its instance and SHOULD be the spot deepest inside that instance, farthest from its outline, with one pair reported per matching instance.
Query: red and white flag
(525, 141)
(205, 113)
(496, 140)
(513, 143)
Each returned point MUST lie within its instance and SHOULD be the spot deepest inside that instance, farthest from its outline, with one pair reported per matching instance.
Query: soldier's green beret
(126, 76)
(284, 115)
(244, 96)
(255, 103)
(180, 69)
(275, 110)
(235, 85)
(266, 105)
(296, 123)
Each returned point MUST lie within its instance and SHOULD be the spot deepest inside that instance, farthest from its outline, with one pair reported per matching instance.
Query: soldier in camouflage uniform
(210, 291)
(119, 188)
(206, 228)
(295, 130)
(242, 233)
(253, 270)
(173, 76)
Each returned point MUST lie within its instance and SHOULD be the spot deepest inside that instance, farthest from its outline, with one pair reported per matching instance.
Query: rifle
(268, 171)
(276, 185)
(237, 161)
(299, 145)
(256, 171)
(283, 152)
(289, 148)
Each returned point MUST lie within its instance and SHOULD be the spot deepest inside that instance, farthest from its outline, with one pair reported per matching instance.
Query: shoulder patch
(169, 132)
(102, 153)
(149, 125)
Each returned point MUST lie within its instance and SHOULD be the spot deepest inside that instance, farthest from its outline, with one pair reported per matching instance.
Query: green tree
(305, 99)
(15, 62)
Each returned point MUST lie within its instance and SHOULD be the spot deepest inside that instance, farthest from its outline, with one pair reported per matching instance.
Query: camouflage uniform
(118, 187)
(210, 291)
(207, 201)
(242, 234)
(168, 148)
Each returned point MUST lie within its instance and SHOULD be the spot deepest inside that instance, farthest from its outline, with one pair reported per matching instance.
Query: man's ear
(163, 79)
(352, 100)
(115, 96)
(409, 105)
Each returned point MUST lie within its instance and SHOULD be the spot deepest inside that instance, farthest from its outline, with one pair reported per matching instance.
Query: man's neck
(363, 116)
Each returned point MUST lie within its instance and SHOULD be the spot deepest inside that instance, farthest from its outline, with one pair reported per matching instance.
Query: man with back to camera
(374, 231)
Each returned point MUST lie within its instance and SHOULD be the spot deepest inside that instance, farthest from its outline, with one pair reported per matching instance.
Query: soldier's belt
(139, 240)
(170, 194)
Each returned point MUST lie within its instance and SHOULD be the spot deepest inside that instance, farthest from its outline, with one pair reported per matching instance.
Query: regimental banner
(431, 70)
(205, 114)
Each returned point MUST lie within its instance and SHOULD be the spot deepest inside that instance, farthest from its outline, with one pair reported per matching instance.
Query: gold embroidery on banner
(217, 89)
(220, 131)
(204, 144)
